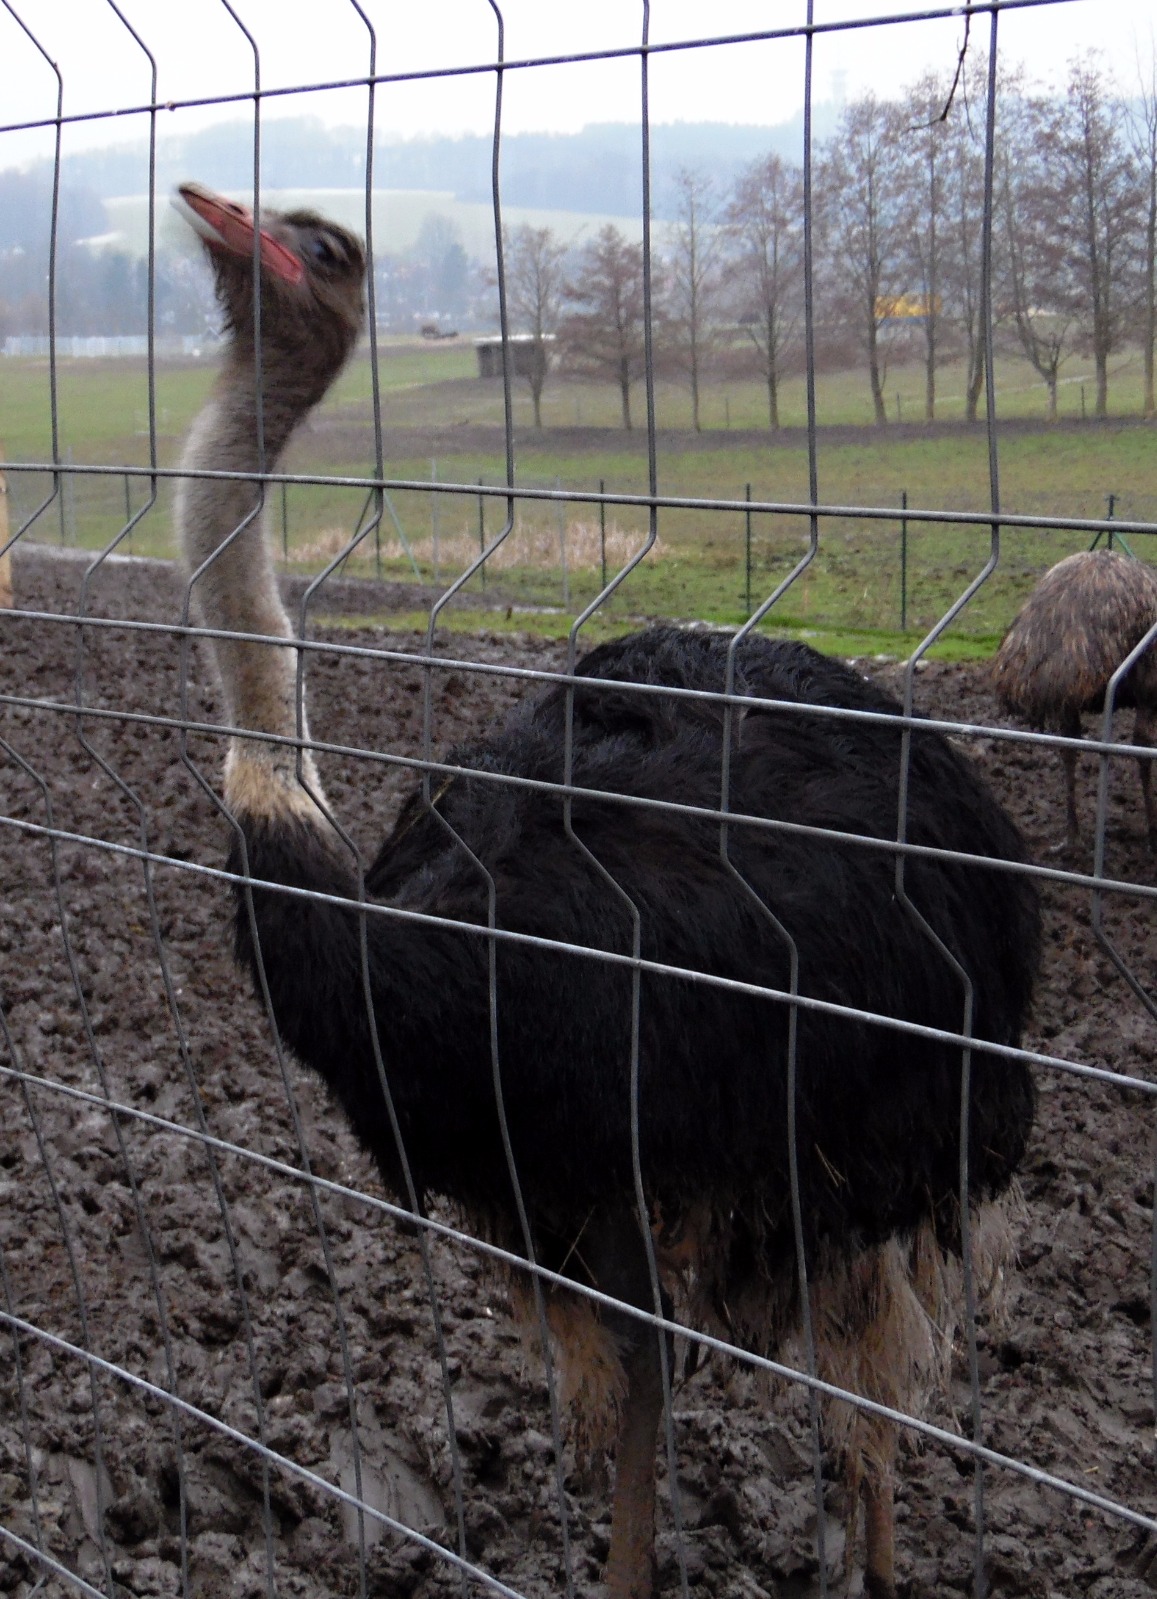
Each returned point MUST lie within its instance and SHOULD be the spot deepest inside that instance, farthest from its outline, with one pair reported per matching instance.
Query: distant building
(521, 354)
(905, 307)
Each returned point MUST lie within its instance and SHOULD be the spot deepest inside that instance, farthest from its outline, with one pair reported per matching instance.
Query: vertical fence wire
(434, 657)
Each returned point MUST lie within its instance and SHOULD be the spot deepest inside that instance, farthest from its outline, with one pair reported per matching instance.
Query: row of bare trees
(898, 223)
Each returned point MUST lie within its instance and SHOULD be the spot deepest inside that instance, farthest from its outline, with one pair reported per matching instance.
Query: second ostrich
(1084, 618)
(526, 1063)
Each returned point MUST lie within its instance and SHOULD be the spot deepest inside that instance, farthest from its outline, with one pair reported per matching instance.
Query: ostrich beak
(225, 225)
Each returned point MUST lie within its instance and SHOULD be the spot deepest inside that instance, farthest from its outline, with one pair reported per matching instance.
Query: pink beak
(225, 225)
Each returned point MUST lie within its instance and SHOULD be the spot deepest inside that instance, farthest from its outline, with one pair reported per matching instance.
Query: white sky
(201, 50)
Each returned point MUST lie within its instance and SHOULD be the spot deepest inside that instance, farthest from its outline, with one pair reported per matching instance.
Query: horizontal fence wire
(268, 1333)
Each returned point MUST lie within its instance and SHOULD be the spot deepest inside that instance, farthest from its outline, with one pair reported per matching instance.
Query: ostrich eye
(321, 251)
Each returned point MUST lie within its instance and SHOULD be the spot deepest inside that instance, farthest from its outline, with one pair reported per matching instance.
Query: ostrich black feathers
(878, 1109)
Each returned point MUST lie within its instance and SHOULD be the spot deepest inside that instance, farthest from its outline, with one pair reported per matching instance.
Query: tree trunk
(1052, 388)
(975, 384)
(1101, 408)
(772, 399)
(538, 378)
(874, 374)
(625, 391)
(695, 423)
(930, 368)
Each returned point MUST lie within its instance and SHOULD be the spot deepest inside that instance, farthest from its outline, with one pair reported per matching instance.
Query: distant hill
(595, 171)
(398, 218)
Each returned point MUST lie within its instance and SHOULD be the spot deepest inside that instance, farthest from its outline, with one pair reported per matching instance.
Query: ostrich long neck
(238, 590)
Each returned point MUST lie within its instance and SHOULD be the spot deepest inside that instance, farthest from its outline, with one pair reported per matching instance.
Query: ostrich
(1084, 617)
(877, 1110)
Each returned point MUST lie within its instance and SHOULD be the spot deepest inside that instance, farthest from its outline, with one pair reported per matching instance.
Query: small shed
(522, 354)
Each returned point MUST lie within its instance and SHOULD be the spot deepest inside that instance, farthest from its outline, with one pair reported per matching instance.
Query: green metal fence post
(747, 551)
(603, 530)
(904, 563)
(482, 532)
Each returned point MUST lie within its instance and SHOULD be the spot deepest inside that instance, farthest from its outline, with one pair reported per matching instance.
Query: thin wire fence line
(247, 1441)
(641, 964)
(575, 58)
(913, 721)
(427, 767)
(773, 1368)
(1124, 887)
(37, 1553)
(798, 509)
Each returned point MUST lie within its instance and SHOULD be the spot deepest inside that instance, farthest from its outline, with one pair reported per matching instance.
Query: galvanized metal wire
(66, 1332)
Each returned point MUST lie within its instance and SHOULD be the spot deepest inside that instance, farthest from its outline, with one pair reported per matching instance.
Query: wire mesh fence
(661, 1208)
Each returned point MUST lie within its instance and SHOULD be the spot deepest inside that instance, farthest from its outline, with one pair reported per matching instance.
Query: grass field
(441, 422)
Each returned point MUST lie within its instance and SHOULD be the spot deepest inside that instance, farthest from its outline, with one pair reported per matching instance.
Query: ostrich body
(878, 1111)
(1085, 616)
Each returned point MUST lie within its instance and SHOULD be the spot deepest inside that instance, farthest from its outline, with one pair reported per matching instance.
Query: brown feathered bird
(1085, 616)
(510, 1089)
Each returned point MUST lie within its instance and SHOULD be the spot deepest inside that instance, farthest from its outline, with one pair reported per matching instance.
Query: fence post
(68, 503)
(6, 599)
(482, 532)
(747, 551)
(1109, 515)
(62, 499)
(128, 511)
(560, 517)
(904, 562)
(603, 530)
(285, 523)
(434, 520)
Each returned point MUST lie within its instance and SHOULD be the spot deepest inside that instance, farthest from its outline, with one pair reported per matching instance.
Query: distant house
(905, 307)
(522, 354)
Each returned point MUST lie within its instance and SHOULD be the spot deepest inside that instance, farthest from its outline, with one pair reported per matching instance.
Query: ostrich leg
(1145, 733)
(1071, 728)
(879, 1529)
(614, 1249)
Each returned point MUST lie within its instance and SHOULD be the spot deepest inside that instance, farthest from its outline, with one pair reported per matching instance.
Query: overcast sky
(202, 51)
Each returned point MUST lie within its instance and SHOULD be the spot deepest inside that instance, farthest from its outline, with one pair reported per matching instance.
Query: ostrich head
(312, 277)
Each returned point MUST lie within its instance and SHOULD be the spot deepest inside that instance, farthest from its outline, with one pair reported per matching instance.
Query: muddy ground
(113, 1232)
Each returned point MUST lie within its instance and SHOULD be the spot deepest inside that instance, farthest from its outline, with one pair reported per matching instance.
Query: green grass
(438, 417)
(878, 644)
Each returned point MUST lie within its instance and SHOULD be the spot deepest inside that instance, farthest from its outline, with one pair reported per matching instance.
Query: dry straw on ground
(577, 546)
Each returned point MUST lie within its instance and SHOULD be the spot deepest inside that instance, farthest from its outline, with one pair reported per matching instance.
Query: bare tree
(964, 263)
(1142, 123)
(923, 167)
(1035, 279)
(604, 334)
(535, 285)
(858, 185)
(765, 223)
(692, 285)
(1094, 178)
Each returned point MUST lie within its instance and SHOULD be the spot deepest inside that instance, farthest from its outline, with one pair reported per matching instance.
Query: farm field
(1065, 1374)
(868, 586)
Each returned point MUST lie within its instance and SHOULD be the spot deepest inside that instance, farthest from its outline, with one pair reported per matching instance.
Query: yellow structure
(890, 307)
